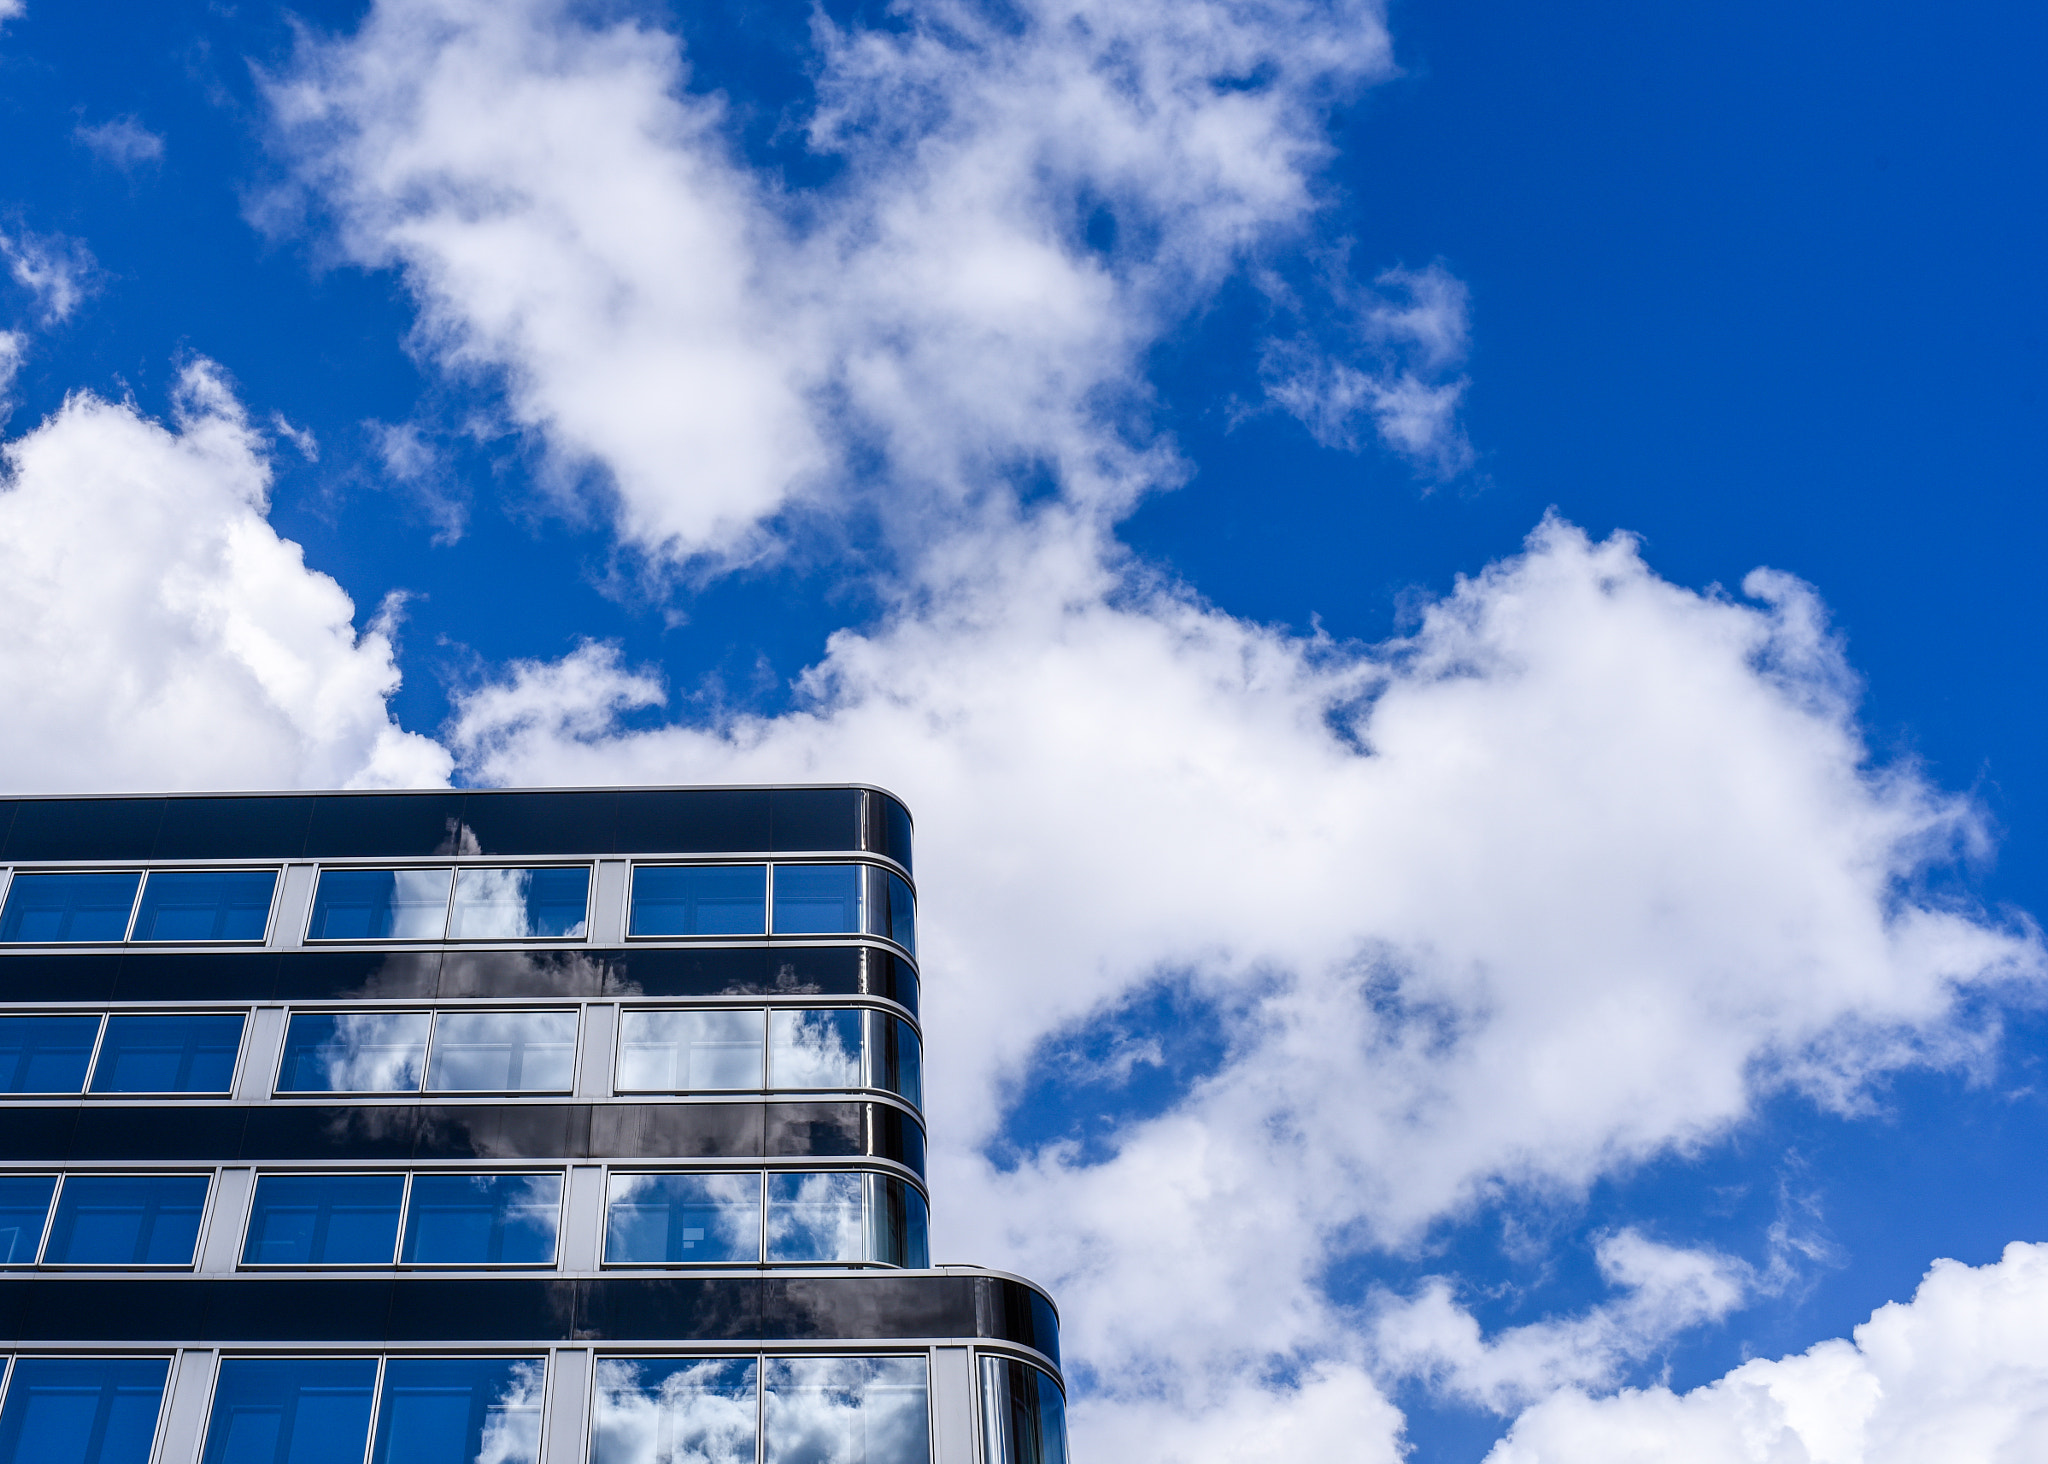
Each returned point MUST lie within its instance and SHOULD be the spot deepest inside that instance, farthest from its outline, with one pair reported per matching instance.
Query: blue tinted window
(815, 1048)
(380, 904)
(814, 1217)
(354, 1052)
(168, 1054)
(700, 1408)
(892, 913)
(1024, 1417)
(199, 905)
(483, 1219)
(518, 904)
(62, 907)
(896, 1057)
(817, 899)
(846, 1410)
(458, 1410)
(82, 1410)
(899, 1224)
(666, 1219)
(729, 899)
(127, 1220)
(503, 1052)
(24, 1206)
(46, 1054)
(291, 1410)
(324, 1220)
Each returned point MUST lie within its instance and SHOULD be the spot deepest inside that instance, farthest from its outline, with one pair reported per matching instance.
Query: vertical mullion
(376, 1408)
(448, 910)
(99, 1040)
(760, 1407)
(404, 1217)
(50, 1218)
(763, 1258)
(134, 904)
(427, 1057)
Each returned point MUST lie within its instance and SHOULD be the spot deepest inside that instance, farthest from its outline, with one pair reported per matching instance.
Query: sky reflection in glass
(291, 1410)
(669, 1219)
(460, 1410)
(667, 1410)
(354, 1052)
(67, 907)
(169, 1054)
(716, 899)
(82, 1410)
(200, 905)
(380, 904)
(482, 1219)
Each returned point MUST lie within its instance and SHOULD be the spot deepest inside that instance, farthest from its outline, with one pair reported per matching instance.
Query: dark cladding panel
(815, 971)
(7, 807)
(807, 820)
(384, 825)
(821, 1130)
(83, 828)
(59, 978)
(697, 1309)
(805, 1308)
(892, 978)
(675, 1131)
(234, 828)
(504, 1131)
(726, 971)
(361, 975)
(1010, 1311)
(888, 828)
(368, 1132)
(523, 973)
(225, 977)
(894, 1134)
(508, 1309)
(40, 1135)
(252, 1310)
(535, 824)
(693, 821)
(184, 1132)
(102, 1311)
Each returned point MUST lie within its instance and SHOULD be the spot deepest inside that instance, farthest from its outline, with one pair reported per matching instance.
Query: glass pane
(460, 1410)
(1024, 1416)
(82, 1410)
(150, 1054)
(684, 1052)
(674, 1410)
(728, 899)
(817, 899)
(127, 1220)
(324, 1220)
(60, 907)
(899, 1224)
(380, 904)
(847, 1410)
(660, 1219)
(897, 1063)
(24, 1206)
(518, 904)
(503, 1052)
(291, 1410)
(893, 912)
(206, 905)
(483, 1219)
(814, 1049)
(46, 1054)
(814, 1217)
(354, 1052)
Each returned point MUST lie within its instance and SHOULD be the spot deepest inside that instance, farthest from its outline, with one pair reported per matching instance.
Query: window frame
(433, 1014)
(207, 1203)
(455, 869)
(143, 872)
(866, 1170)
(405, 1215)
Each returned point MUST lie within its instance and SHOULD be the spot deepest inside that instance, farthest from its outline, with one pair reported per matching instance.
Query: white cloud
(13, 346)
(58, 272)
(12, 10)
(1959, 1374)
(122, 141)
(415, 464)
(160, 634)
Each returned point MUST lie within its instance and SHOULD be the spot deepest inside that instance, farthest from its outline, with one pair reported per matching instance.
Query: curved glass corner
(1023, 1412)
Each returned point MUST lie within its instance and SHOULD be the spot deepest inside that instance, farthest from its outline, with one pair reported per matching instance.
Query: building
(482, 1128)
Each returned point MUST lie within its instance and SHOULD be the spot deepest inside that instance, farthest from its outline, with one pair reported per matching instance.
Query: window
(388, 1052)
(669, 1219)
(704, 899)
(1023, 1414)
(899, 1224)
(817, 899)
(67, 907)
(458, 1410)
(380, 904)
(482, 1220)
(169, 1054)
(519, 904)
(354, 1052)
(652, 1410)
(892, 909)
(784, 1410)
(304, 1410)
(503, 1052)
(814, 1049)
(324, 1220)
(46, 1054)
(126, 1220)
(895, 1059)
(678, 1052)
(196, 905)
(82, 1410)
(814, 1218)
(24, 1206)
(846, 1410)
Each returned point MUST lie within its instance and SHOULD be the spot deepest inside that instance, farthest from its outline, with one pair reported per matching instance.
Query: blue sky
(1522, 972)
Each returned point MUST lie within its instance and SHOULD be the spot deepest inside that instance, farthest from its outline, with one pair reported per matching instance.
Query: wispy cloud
(122, 141)
(57, 271)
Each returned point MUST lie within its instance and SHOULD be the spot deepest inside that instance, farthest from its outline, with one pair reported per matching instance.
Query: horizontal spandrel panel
(365, 975)
(59, 978)
(824, 1129)
(733, 971)
(522, 973)
(540, 823)
(385, 825)
(814, 819)
(693, 821)
(194, 1132)
(504, 1131)
(678, 1130)
(83, 828)
(228, 976)
(889, 828)
(234, 828)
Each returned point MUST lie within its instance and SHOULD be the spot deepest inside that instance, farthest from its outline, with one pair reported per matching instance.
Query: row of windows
(471, 903)
(468, 1051)
(722, 1217)
(750, 1409)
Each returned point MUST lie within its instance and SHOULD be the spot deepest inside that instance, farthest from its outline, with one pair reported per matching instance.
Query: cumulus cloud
(1959, 1374)
(56, 271)
(159, 632)
(122, 141)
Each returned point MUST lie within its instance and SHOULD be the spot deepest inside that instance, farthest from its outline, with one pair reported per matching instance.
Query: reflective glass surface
(519, 904)
(181, 904)
(354, 1052)
(503, 1052)
(892, 911)
(169, 1054)
(1024, 1415)
(680, 1052)
(24, 1206)
(711, 899)
(291, 1410)
(896, 1057)
(846, 1410)
(324, 1220)
(814, 1217)
(482, 1219)
(814, 1049)
(46, 1054)
(460, 1410)
(82, 1410)
(380, 904)
(126, 1220)
(675, 1410)
(899, 1224)
(817, 899)
(67, 907)
(666, 1219)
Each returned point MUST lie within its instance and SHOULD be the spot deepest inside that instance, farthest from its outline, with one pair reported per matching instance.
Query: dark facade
(482, 1128)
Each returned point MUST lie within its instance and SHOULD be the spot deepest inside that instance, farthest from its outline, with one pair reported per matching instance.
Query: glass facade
(482, 1127)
